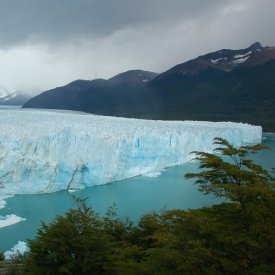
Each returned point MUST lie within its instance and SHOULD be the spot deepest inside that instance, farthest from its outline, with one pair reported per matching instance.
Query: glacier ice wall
(47, 151)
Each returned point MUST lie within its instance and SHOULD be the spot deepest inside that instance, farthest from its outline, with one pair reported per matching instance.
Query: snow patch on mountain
(242, 55)
(215, 61)
(240, 60)
(7, 97)
(4, 92)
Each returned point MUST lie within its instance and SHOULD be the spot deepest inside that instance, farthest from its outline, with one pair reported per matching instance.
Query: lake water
(133, 197)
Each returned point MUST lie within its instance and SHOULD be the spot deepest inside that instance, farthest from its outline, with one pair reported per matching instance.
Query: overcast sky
(48, 43)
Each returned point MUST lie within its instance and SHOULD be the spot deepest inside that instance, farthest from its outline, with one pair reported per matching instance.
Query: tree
(247, 222)
(71, 244)
(232, 179)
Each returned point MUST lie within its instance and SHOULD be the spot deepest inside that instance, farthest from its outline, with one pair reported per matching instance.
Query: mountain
(225, 60)
(8, 97)
(235, 85)
(118, 95)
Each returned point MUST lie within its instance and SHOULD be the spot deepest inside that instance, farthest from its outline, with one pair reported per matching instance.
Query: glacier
(48, 151)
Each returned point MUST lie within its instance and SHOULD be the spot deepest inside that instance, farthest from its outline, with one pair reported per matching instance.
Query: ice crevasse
(47, 151)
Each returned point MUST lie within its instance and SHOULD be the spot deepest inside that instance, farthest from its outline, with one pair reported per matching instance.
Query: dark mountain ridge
(236, 85)
(225, 60)
(105, 97)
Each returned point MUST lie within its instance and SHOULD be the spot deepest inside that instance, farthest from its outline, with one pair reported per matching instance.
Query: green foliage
(237, 179)
(248, 222)
(2, 258)
(236, 237)
(72, 244)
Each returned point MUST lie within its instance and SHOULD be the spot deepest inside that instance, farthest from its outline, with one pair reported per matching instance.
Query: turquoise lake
(133, 198)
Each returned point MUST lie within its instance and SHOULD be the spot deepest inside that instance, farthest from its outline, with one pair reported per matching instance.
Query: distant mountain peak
(137, 76)
(4, 91)
(8, 97)
(256, 46)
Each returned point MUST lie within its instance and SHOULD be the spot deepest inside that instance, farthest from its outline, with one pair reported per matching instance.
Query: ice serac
(45, 151)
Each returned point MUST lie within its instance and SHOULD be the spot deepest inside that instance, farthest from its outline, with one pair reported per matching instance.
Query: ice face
(46, 151)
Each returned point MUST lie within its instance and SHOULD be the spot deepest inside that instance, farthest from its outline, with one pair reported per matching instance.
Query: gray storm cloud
(63, 20)
(48, 43)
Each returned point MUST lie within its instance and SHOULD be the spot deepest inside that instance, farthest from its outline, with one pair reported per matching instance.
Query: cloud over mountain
(49, 43)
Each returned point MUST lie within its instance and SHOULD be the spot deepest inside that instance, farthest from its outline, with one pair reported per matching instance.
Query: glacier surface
(47, 151)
